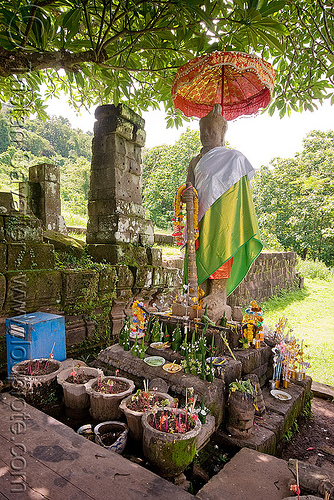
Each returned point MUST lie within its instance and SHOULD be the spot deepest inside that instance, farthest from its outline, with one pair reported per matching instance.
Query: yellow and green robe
(227, 221)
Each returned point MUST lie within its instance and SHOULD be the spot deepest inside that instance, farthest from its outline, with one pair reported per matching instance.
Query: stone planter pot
(240, 414)
(75, 395)
(169, 453)
(104, 406)
(35, 388)
(105, 429)
(134, 418)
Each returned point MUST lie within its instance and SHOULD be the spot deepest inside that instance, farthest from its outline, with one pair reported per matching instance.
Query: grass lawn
(310, 313)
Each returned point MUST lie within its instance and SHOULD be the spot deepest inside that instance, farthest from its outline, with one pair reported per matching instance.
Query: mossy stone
(64, 243)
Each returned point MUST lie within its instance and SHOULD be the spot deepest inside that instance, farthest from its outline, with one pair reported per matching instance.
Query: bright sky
(259, 138)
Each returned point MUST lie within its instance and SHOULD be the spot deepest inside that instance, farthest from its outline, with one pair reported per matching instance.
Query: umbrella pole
(222, 99)
(192, 268)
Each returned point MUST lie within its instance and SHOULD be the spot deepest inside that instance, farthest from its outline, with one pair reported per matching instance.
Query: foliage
(291, 432)
(314, 269)
(52, 142)
(164, 170)
(295, 199)
(68, 261)
(4, 134)
(62, 139)
(243, 386)
(99, 50)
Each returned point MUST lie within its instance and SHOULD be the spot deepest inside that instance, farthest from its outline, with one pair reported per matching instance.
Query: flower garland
(138, 319)
(178, 225)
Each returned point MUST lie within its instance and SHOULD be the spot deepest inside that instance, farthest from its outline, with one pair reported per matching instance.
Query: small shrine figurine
(252, 327)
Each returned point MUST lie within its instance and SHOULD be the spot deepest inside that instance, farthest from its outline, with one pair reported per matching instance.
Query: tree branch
(19, 62)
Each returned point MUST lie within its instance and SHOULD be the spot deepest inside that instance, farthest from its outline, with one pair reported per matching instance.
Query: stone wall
(93, 301)
(269, 274)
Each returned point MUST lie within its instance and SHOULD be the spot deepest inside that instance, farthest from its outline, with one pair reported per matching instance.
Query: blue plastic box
(33, 336)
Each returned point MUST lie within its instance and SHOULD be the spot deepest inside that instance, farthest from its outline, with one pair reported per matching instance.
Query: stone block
(133, 152)
(63, 243)
(99, 179)
(30, 256)
(140, 137)
(117, 315)
(231, 371)
(75, 332)
(106, 193)
(44, 172)
(79, 286)
(23, 228)
(43, 288)
(130, 188)
(249, 475)
(135, 168)
(55, 223)
(262, 440)
(307, 383)
(250, 359)
(130, 208)
(124, 254)
(288, 409)
(172, 277)
(272, 421)
(7, 203)
(2, 290)
(158, 277)
(125, 278)
(3, 257)
(154, 256)
(173, 261)
(143, 277)
(108, 124)
(147, 235)
(2, 229)
(261, 371)
(107, 280)
(104, 146)
(266, 354)
(123, 111)
(115, 206)
(50, 198)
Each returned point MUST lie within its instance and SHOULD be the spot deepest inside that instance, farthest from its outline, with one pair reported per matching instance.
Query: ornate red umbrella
(241, 83)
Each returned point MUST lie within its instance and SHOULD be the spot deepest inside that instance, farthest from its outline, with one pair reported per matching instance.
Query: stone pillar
(117, 230)
(41, 196)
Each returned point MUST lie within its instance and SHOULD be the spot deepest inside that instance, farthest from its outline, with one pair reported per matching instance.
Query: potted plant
(169, 439)
(35, 378)
(134, 406)
(73, 381)
(241, 408)
(111, 435)
(105, 395)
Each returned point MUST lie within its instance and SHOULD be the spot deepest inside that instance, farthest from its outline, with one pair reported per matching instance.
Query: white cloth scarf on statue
(216, 172)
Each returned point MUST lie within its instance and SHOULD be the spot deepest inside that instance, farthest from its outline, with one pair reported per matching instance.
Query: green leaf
(272, 7)
(330, 72)
(71, 22)
(272, 41)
